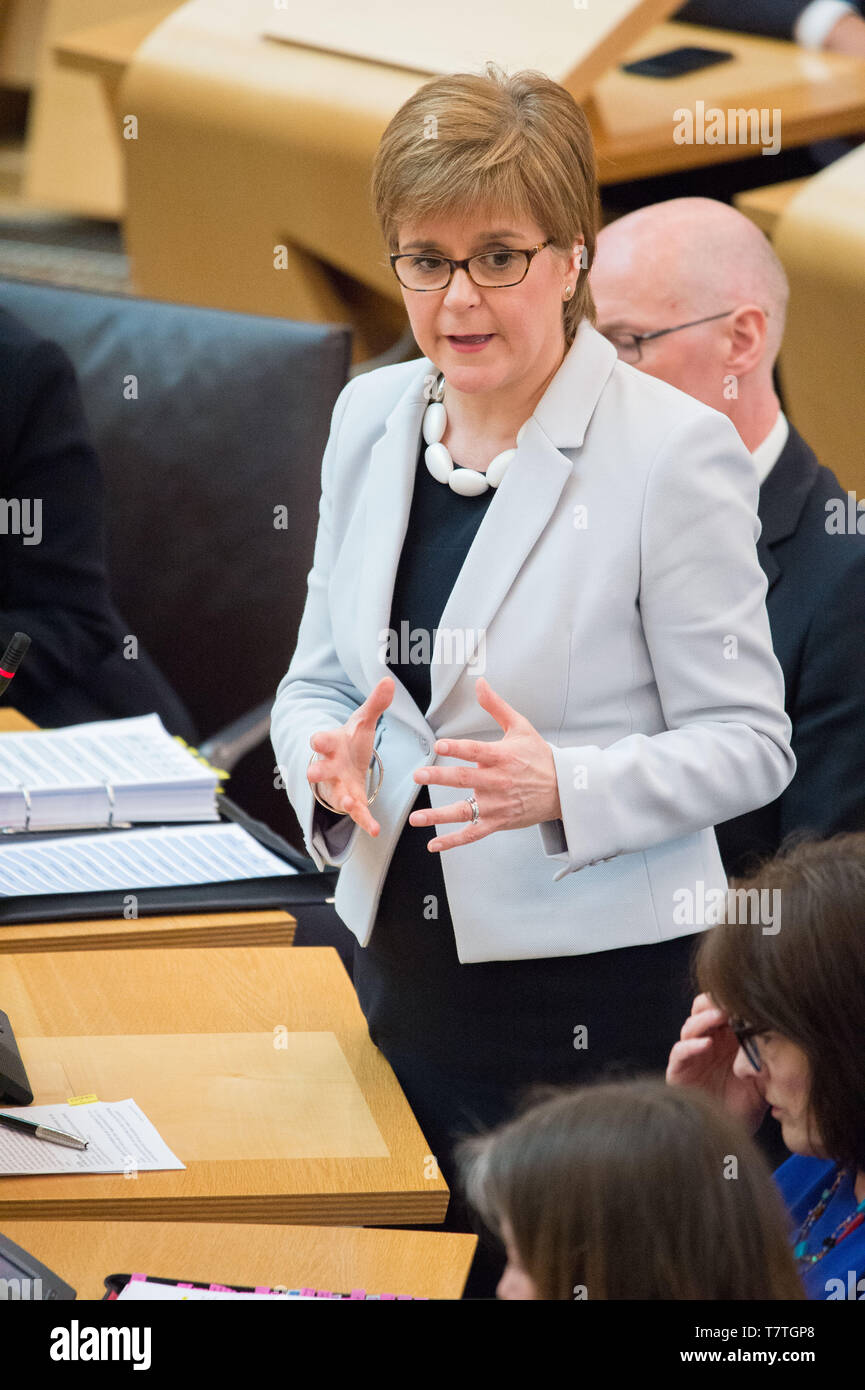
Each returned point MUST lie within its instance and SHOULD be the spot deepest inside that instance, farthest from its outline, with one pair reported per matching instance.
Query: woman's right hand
(340, 773)
(704, 1057)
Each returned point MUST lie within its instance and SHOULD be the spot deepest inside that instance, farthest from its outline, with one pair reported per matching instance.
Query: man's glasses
(745, 1036)
(491, 270)
(628, 345)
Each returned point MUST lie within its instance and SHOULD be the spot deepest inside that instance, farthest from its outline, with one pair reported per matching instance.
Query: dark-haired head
(802, 987)
(631, 1190)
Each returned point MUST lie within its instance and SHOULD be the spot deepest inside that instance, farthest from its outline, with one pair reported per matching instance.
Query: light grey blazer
(616, 599)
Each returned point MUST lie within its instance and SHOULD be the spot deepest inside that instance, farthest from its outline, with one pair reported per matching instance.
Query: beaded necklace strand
(842, 1230)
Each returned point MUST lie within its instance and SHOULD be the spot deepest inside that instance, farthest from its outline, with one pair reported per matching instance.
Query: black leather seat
(210, 428)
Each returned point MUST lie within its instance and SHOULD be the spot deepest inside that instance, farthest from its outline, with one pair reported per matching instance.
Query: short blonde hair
(485, 141)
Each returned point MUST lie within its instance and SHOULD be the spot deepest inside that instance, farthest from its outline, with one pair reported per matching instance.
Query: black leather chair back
(210, 428)
(205, 423)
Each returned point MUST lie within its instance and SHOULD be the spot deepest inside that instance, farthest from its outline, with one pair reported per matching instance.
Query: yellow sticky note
(81, 1100)
(220, 771)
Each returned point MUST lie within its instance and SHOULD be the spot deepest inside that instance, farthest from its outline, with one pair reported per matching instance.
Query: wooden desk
(106, 49)
(196, 929)
(423, 1263)
(313, 1132)
(236, 120)
(20, 27)
(255, 928)
(74, 158)
(766, 205)
(818, 95)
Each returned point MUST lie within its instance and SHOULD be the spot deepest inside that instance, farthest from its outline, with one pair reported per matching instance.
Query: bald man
(690, 291)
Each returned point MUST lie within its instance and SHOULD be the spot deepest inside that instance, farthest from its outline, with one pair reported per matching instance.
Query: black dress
(466, 1039)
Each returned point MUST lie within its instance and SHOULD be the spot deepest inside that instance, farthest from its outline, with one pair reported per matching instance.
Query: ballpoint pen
(39, 1131)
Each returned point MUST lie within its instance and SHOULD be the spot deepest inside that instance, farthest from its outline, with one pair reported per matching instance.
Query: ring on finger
(476, 815)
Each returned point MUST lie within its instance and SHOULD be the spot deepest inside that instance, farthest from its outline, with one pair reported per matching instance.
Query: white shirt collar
(766, 455)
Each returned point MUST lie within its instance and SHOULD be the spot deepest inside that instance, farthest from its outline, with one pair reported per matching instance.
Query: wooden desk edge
(105, 50)
(240, 1254)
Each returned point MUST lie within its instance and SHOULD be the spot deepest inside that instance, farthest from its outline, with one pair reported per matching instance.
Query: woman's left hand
(514, 782)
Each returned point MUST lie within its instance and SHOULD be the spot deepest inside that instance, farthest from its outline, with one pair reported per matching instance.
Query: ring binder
(147, 775)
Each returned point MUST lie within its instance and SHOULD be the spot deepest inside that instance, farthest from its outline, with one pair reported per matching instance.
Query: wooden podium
(254, 1064)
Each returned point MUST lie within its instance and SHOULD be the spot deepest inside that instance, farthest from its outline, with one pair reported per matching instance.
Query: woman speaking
(534, 667)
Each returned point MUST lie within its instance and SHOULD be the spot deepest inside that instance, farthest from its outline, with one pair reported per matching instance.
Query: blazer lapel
(782, 497)
(389, 490)
(525, 501)
(517, 515)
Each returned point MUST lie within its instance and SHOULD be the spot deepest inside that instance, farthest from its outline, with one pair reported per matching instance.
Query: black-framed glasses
(629, 345)
(490, 270)
(745, 1037)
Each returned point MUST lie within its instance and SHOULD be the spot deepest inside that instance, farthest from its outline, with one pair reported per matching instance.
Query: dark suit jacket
(773, 18)
(816, 607)
(57, 589)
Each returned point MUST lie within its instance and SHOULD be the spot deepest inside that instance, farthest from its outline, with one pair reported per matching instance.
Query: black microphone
(12, 658)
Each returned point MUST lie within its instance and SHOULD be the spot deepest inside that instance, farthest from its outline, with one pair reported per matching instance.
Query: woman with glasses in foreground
(536, 607)
(780, 1022)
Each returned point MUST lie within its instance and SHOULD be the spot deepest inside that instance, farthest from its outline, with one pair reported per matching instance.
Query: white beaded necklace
(468, 482)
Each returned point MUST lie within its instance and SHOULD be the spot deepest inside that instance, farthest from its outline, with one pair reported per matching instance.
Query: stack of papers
(142, 1290)
(123, 860)
(119, 1136)
(102, 773)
